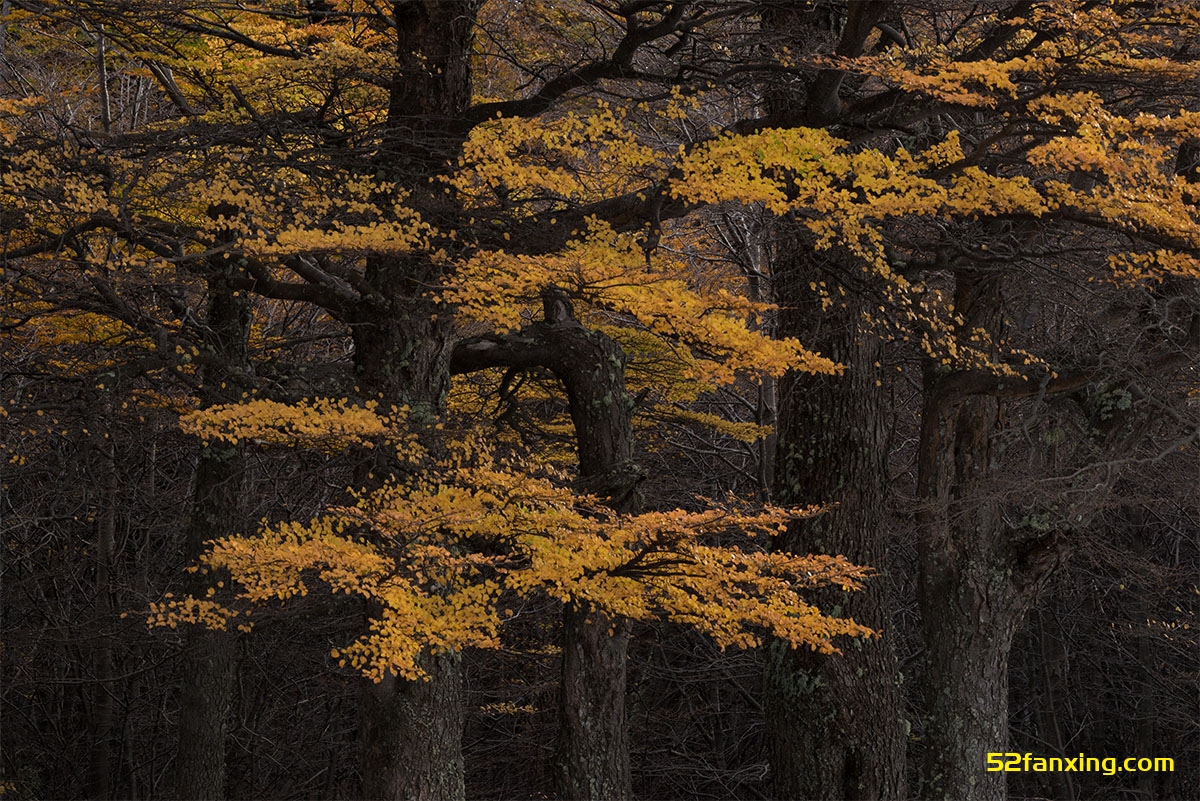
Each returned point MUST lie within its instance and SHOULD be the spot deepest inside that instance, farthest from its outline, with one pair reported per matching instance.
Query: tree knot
(556, 305)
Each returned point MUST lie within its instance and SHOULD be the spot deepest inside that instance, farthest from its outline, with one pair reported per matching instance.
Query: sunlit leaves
(322, 424)
(437, 553)
(710, 326)
(742, 432)
(173, 612)
(981, 83)
(844, 194)
(545, 162)
(1102, 168)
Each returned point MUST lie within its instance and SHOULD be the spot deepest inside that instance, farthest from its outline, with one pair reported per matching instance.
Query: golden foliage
(571, 158)
(322, 424)
(439, 552)
(708, 327)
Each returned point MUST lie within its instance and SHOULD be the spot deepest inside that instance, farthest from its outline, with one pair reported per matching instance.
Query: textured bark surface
(835, 724)
(593, 747)
(208, 664)
(591, 367)
(978, 579)
(410, 734)
(592, 755)
(208, 655)
(592, 758)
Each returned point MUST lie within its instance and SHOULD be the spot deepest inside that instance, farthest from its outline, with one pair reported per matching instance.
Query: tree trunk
(835, 724)
(410, 734)
(592, 757)
(978, 578)
(208, 654)
(100, 761)
(208, 659)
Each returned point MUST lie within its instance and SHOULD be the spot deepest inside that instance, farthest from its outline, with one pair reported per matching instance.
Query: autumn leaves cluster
(445, 554)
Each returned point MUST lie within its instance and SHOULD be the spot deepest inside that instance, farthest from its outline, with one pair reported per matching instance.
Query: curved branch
(619, 65)
(591, 367)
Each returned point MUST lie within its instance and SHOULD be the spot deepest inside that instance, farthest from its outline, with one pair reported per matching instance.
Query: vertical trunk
(766, 408)
(1052, 709)
(976, 580)
(592, 757)
(102, 74)
(593, 746)
(208, 655)
(966, 661)
(835, 724)
(410, 733)
(100, 757)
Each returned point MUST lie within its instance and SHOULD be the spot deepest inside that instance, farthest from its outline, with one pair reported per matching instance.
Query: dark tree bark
(592, 757)
(978, 578)
(835, 724)
(100, 757)
(208, 655)
(410, 733)
(592, 760)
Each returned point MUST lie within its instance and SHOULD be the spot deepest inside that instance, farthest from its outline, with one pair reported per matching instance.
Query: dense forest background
(537, 398)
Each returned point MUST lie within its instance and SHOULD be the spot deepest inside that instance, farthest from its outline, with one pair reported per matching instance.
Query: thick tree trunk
(592, 757)
(835, 724)
(410, 734)
(978, 578)
(208, 655)
(593, 740)
(967, 673)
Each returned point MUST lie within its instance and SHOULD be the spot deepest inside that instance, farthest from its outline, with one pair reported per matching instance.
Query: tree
(837, 726)
(1037, 134)
(208, 658)
(436, 555)
(943, 157)
(396, 233)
